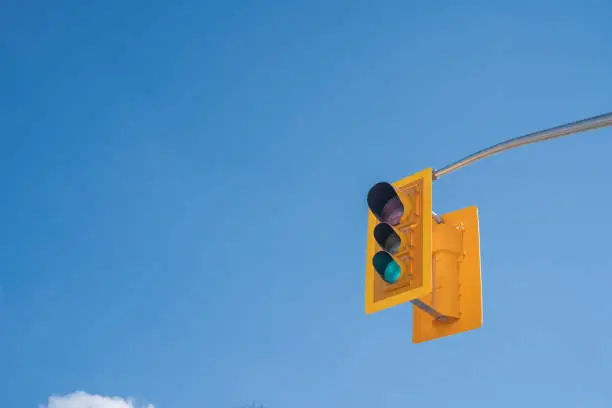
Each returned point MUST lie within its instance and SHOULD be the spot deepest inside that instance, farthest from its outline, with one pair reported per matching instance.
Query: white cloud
(83, 400)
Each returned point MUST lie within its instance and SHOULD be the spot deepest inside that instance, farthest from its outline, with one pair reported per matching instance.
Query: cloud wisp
(82, 399)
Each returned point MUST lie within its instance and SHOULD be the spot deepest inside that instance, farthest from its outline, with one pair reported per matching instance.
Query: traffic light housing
(434, 264)
(399, 242)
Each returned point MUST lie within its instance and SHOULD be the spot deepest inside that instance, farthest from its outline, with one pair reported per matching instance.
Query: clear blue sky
(183, 214)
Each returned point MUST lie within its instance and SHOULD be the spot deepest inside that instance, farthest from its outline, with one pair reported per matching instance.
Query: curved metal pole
(595, 122)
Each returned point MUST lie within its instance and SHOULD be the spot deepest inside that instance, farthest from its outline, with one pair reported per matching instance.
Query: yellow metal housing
(413, 256)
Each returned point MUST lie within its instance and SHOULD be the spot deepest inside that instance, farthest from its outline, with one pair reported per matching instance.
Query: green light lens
(386, 267)
(392, 272)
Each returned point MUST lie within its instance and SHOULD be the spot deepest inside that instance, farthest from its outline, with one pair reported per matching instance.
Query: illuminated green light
(388, 269)
(392, 272)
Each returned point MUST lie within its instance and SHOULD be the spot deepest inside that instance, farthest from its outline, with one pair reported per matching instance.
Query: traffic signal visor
(398, 250)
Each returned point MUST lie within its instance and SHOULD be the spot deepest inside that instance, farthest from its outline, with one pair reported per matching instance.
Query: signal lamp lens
(387, 238)
(392, 272)
(387, 267)
(392, 211)
(385, 203)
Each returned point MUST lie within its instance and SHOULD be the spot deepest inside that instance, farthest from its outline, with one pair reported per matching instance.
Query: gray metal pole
(437, 218)
(595, 122)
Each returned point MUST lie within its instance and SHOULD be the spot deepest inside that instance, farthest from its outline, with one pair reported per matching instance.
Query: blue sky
(183, 214)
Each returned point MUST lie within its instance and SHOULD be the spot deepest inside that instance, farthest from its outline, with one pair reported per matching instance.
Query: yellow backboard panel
(425, 327)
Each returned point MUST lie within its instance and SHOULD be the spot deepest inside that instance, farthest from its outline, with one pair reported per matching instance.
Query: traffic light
(399, 242)
(434, 264)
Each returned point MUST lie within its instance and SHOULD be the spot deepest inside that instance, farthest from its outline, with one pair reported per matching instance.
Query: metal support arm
(595, 122)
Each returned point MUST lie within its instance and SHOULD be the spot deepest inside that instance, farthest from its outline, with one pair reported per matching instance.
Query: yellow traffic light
(434, 265)
(411, 258)
(399, 242)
